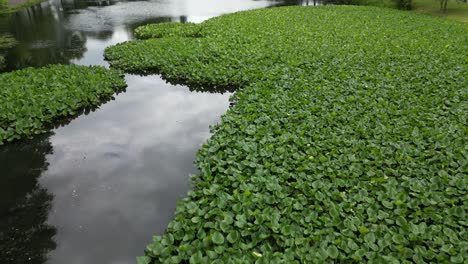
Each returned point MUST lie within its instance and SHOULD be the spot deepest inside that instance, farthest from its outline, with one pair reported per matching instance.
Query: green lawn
(347, 141)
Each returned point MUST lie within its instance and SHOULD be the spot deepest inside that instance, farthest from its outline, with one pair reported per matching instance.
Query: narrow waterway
(96, 189)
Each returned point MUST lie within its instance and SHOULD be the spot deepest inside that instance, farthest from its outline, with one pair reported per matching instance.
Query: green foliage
(5, 8)
(167, 29)
(32, 98)
(6, 41)
(2, 62)
(347, 141)
(400, 4)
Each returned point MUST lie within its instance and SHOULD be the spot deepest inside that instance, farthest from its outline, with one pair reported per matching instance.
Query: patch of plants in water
(347, 142)
(32, 98)
(167, 29)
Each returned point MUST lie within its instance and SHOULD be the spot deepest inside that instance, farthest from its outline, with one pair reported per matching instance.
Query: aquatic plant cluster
(31, 98)
(347, 141)
(167, 29)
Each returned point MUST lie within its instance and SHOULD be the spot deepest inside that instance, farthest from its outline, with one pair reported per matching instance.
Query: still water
(95, 190)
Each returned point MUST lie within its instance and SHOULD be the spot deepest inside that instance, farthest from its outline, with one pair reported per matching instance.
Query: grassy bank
(9, 7)
(347, 141)
(455, 10)
(31, 99)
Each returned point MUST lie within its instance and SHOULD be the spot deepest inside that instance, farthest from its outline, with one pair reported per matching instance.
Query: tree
(25, 235)
(443, 5)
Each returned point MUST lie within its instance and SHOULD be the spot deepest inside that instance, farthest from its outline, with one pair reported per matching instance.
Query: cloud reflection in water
(117, 173)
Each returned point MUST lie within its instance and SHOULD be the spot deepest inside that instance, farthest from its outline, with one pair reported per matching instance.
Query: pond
(96, 189)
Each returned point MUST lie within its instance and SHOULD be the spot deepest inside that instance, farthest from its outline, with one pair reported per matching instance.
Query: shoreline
(12, 6)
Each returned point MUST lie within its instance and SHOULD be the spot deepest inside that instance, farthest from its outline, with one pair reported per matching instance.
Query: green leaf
(363, 230)
(456, 259)
(333, 252)
(369, 238)
(217, 238)
(401, 221)
(352, 245)
(399, 239)
(143, 260)
(233, 236)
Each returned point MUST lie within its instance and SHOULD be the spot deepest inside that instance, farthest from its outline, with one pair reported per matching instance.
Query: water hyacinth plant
(347, 142)
(167, 29)
(31, 99)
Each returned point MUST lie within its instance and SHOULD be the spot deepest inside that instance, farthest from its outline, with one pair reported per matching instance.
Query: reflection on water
(117, 173)
(97, 189)
(58, 31)
(25, 236)
(42, 38)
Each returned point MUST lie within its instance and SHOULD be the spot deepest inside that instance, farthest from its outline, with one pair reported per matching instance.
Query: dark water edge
(96, 189)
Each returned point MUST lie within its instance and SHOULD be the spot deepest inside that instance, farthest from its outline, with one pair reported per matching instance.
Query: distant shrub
(404, 4)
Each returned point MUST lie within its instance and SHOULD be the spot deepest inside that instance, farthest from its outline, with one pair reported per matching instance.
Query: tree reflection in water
(25, 236)
(42, 37)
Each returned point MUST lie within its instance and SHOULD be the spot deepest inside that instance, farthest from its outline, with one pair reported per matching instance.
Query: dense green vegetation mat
(30, 99)
(168, 29)
(347, 142)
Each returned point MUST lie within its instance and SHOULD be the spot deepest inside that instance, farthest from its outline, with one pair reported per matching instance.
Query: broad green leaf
(218, 238)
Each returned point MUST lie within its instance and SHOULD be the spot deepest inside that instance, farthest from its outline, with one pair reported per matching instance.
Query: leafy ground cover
(347, 141)
(167, 29)
(31, 99)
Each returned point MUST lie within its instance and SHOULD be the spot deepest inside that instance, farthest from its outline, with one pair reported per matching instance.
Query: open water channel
(96, 188)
